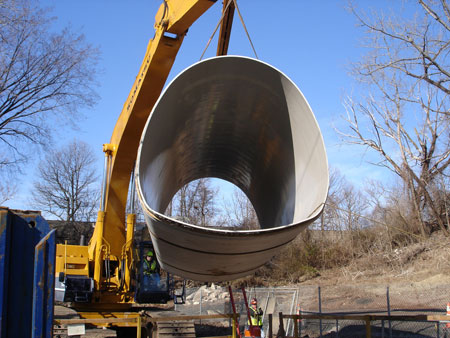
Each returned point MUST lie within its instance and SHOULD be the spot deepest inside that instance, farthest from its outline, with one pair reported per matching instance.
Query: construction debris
(207, 294)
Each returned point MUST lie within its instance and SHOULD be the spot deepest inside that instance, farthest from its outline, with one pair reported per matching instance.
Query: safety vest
(149, 268)
(256, 316)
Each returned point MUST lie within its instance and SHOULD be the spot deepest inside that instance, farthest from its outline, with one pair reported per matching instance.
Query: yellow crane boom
(175, 17)
(112, 240)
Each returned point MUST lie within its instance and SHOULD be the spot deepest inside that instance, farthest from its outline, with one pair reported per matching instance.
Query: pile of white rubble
(207, 294)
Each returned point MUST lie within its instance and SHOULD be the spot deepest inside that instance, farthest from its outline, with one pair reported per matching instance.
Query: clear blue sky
(312, 42)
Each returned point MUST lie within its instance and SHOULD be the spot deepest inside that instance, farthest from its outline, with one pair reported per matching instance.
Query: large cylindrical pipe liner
(243, 121)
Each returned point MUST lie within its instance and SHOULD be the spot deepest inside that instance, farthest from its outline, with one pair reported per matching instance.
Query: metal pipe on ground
(243, 121)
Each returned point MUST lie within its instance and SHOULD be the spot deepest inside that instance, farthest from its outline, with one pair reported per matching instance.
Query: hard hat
(254, 301)
(150, 253)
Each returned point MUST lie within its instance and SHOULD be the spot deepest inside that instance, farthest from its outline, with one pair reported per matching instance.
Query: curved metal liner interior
(243, 121)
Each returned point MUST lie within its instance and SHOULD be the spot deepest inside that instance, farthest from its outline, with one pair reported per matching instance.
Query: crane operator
(151, 273)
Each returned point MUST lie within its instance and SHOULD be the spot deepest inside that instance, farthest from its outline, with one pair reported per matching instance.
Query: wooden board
(176, 329)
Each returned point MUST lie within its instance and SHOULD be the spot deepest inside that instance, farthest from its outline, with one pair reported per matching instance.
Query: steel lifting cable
(245, 28)
(221, 20)
(215, 30)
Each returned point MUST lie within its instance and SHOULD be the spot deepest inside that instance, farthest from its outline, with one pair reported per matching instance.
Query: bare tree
(240, 212)
(67, 184)
(8, 186)
(346, 205)
(414, 49)
(403, 114)
(45, 79)
(329, 220)
(392, 211)
(195, 203)
(354, 204)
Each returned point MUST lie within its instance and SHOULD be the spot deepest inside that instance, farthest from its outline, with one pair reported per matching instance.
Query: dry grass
(357, 255)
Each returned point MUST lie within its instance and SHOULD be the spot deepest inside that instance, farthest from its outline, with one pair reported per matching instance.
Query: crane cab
(153, 284)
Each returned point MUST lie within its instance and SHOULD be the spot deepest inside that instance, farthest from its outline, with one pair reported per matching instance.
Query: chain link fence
(341, 299)
(374, 299)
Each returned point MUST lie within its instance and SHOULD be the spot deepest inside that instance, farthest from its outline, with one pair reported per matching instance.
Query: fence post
(288, 326)
(368, 331)
(382, 329)
(296, 328)
(281, 333)
(267, 304)
(389, 310)
(300, 323)
(320, 311)
(270, 326)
